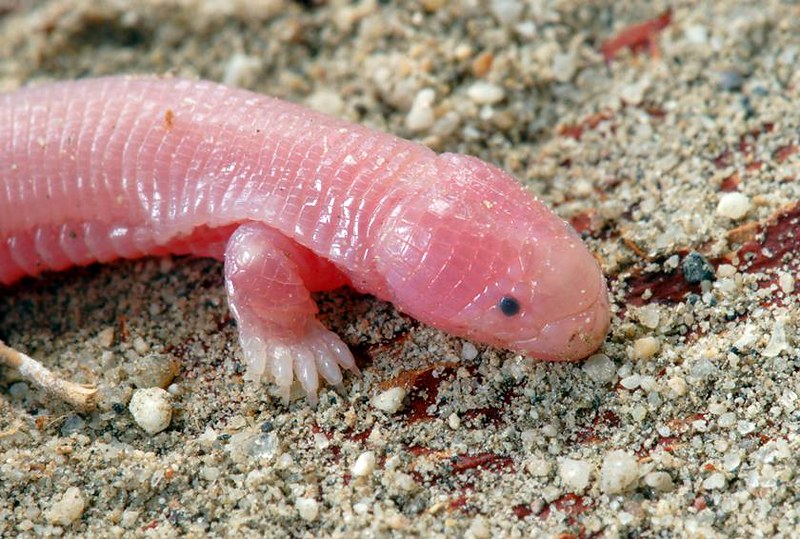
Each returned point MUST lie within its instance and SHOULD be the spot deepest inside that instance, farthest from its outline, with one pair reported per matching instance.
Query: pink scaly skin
(293, 201)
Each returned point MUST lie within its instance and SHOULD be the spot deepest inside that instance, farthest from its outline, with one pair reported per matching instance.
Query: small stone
(153, 370)
(730, 80)
(539, 467)
(696, 268)
(482, 64)
(660, 481)
(649, 315)
(725, 271)
(733, 205)
(421, 116)
(433, 5)
(326, 101)
(364, 465)
(74, 424)
(106, 337)
(731, 461)
(564, 66)
(454, 421)
(645, 347)
(307, 508)
(404, 481)
(620, 470)
(242, 70)
(778, 340)
(151, 409)
(478, 529)
(600, 369)
(486, 93)
(141, 346)
(68, 509)
(727, 420)
(630, 382)
(390, 401)
(697, 34)
(468, 351)
(574, 474)
(507, 11)
(715, 481)
(786, 282)
(703, 369)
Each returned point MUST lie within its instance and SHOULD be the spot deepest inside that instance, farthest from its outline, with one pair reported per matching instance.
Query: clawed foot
(307, 356)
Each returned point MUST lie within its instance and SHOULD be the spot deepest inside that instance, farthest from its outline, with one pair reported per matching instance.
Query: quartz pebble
(364, 464)
(390, 401)
(619, 471)
(485, 93)
(778, 339)
(469, 351)
(786, 282)
(574, 474)
(421, 116)
(307, 508)
(733, 205)
(660, 481)
(715, 481)
(600, 369)
(151, 408)
(645, 347)
(68, 509)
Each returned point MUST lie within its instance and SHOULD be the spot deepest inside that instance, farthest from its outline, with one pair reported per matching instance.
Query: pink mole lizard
(293, 201)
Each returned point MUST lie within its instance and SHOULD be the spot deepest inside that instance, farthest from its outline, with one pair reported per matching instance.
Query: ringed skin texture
(293, 201)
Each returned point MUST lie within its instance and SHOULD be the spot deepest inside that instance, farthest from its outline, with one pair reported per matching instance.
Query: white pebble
(574, 474)
(507, 11)
(648, 316)
(564, 66)
(468, 351)
(733, 205)
(715, 481)
(140, 346)
(485, 93)
(478, 529)
(619, 471)
(326, 101)
(538, 467)
(631, 382)
(241, 70)
(725, 271)
(68, 509)
(731, 461)
(697, 34)
(786, 282)
(778, 341)
(364, 465)
(308, 508)
(421, 117)
(660, 481)
(454, 421)
(389, 401)
(645, 348)
(727, 420)
(600, 369)
(151, 408)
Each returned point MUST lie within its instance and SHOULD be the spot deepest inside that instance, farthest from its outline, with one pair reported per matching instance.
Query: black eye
(508, 305)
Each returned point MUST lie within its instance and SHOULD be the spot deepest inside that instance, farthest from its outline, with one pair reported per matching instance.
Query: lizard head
(473, 253)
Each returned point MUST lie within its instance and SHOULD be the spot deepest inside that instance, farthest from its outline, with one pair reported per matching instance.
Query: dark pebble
(696, 268)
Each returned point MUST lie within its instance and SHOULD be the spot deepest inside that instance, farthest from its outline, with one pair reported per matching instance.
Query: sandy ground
(686, 424)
